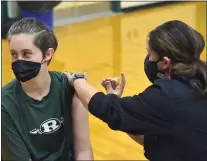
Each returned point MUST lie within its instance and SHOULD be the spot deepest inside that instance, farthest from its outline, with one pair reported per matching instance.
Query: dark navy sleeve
(145, 113)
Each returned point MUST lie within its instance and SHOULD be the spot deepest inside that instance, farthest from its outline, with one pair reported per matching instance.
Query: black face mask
(151, 70)
(26, 70)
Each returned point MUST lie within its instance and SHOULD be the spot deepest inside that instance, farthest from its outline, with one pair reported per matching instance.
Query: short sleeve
(13, 147)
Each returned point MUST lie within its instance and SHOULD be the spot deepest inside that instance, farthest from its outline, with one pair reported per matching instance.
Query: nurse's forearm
(84, 91)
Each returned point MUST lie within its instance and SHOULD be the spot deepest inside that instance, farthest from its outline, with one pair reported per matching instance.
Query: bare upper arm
(80, 125)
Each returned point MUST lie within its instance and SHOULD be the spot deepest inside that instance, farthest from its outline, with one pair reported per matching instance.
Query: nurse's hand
(112, 86)
(73, 76)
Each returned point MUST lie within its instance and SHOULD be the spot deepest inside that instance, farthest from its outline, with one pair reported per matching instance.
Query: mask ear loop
(167, 70)
(160, 59)
(42, 62)
(160, 74)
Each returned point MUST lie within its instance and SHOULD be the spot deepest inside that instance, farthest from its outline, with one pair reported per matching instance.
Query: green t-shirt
(34, 129)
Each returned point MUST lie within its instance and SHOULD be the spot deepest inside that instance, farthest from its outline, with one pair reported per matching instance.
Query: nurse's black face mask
(26, 70)
(151, 70)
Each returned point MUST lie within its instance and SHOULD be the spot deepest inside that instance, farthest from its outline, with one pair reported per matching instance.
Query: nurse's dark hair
(183, 45)
(44, 36)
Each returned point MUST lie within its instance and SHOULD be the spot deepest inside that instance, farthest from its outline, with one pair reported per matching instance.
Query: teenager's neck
(38, 85)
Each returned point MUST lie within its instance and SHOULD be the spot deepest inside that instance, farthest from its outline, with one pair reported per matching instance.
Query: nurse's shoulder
(175, 89)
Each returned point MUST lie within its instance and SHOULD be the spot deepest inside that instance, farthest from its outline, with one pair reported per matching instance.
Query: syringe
(114, 79)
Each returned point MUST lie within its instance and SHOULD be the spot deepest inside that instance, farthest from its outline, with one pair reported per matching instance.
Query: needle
(115, 79)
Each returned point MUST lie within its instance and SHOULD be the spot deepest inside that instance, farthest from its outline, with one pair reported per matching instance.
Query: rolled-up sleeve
(140, 114)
